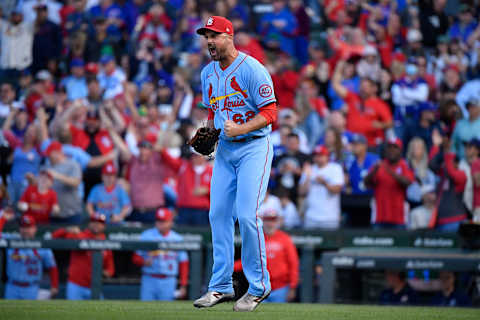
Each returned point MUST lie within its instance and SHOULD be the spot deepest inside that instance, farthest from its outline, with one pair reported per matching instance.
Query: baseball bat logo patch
(265, 91)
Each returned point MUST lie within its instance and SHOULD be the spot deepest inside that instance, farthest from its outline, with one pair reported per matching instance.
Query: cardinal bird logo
(236, 87)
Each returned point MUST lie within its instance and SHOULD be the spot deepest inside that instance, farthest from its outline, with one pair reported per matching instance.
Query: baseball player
(239, 94)
(80, 268)
(25, 266)
(282, 259)
(160, 268)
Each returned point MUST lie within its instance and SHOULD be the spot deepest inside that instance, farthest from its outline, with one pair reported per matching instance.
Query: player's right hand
(53, 292)
(74, 229)
(148, 262)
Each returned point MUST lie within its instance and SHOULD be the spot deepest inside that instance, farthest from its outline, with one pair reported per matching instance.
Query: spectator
(466, 129)
(161, 268)
(80, 268)
(146, 175)
(472, 153)
(39, 199)
(475, 175)
(288, 166)
(290, 216)
(270, 203)
(302, 33)
(433, 21)
(465, 25)
(449, 295)
(420, 216)
(25, 266)
(109, 198)
(100, 42)
(193, 185)
(322, 184)
(285, 80)
(366, 113)
(7, 101)
(249, 45)
(67, 176)
(389, 180)
(47, 40)
(470, 91)
(111, 78)
(450, 210)
(369, 66)
(350, 80)
(76, 84)
(16, 42)
(356, 197)
(425, 126)
(417, 159)
(398, 292)
(278, 28)
(282, 260)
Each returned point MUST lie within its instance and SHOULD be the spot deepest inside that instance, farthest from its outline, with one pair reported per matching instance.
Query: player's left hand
(232, 129)
(53, 292)
(292, 293)
(182, 292)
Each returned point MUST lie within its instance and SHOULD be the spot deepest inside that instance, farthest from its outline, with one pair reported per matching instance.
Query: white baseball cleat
(249, 302)
(212, 298)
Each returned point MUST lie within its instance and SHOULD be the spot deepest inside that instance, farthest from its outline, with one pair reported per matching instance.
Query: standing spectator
(466, 129)
(39, 199)
(80, 268)
(282, 260)
(465, 25)
(433, 21)
(472, 153)
(288, 211)
(278, 28)
(357, 197)
(421, 215)
(449, 295)
(47, 40)
(109, 198)
(193, 185)
(424, 127)
(288, 166)
(322, 184)
(475, 173)
(7, 101)
(16, 42)
(390, 179)
(302, 32)
(470, 91)
(111, 78)
(417, 159)
(25, 266)
(285, 80)
(76, 83)
(100, 41)
(450, 210)
(249, 45)
(366, 113)
(67, 176)
(398, 292)
(161, 268)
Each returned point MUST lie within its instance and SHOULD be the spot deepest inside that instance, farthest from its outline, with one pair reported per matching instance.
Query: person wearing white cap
(369, 66)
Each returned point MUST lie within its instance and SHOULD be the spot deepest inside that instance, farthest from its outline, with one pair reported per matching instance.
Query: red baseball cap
(164, 214)
(27, 221)
(396, 142)
(217, 24)
(97, 217)
(321, 150)
(109, 168)
(54, 146)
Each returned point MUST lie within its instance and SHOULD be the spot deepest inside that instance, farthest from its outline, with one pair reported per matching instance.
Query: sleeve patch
(265, 90)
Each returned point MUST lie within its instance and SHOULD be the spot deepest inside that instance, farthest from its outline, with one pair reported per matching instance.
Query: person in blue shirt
(76, 84)
(466, 129)
(449, 296)
(278, 27)
(466, 24)
(109, 198)
(356, 196)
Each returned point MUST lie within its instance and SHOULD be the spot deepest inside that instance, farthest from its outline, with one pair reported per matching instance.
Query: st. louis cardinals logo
(210, 21)
(235, 86)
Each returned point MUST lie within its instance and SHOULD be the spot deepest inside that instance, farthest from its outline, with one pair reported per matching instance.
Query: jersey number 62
(238, 117)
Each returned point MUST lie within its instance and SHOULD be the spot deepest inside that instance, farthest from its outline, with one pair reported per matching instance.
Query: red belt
(159, 276)
(23, 284)
(246, 139)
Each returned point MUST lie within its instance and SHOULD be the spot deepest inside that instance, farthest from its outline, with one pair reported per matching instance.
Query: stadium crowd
(379, 109)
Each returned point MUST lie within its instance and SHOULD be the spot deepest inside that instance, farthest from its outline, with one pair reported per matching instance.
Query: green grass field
(134, 310)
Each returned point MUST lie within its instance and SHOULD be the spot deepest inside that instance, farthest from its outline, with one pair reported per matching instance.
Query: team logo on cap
(210, 21)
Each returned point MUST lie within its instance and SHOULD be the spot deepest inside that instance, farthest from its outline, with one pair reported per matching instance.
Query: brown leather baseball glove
(204, 140)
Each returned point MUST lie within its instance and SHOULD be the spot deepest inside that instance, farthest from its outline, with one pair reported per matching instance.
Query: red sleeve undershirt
(183, 273)
(53, 273)
(269, 112)
(138, 260)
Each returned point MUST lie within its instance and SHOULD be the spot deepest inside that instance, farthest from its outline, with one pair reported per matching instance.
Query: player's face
(28, 232)
(270, 226)
(164, 226)
(97, 227)
(108, 179)
(217, 44)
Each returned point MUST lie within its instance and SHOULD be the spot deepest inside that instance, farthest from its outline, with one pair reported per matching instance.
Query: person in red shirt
(366, 113)
(193, 188)
(80, 269)
(475, 170)
(282, 259)
(245, 43)
(39, 200)
(285, 80)
(389, 179)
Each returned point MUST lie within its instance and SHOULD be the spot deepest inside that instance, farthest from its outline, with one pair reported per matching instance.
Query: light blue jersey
(237, 93)
(26, 265)
(164, 262)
